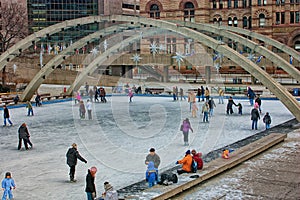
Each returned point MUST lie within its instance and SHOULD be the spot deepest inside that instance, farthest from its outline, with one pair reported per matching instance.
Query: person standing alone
(89, 109)
(6, 115)
(72, 156)
(24, 135)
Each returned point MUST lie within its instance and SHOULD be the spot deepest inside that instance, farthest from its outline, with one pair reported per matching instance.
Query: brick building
(278, 19)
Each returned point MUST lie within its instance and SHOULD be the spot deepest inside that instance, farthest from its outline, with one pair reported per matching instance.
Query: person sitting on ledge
(186, 163)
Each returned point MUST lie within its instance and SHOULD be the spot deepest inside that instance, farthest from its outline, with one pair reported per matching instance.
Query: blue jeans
(221, 99)
(254, 124)
(7, 120)
(30, 110)
(267, 126)
(89, 196)
(251, 101)
(205, 117)
(7, 193)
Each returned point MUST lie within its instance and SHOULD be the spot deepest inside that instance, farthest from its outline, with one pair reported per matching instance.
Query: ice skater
(267, 120)
(194, 110)
(6, 116)
(90, 188)
(130, 94)
(82, 110)
(89, 109)
(24, 135)
(185, 127)
(8, 184)
(30, 109)
(72, 156)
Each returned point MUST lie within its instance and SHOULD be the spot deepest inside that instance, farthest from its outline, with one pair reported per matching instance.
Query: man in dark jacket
(6, 116)
(90, 188)
(72, 156)
(24, 135)
(255, 117)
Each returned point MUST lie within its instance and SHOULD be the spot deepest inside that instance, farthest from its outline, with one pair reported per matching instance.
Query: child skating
(8, 184)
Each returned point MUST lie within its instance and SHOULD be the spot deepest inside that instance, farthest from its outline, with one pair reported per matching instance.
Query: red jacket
(198, 159)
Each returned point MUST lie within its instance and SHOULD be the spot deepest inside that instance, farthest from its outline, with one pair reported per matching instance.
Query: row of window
(294, 17)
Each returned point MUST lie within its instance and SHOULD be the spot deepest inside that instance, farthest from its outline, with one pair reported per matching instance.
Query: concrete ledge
(215, 167)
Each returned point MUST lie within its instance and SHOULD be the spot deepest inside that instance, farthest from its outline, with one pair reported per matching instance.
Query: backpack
(166, 178)
(194, 166)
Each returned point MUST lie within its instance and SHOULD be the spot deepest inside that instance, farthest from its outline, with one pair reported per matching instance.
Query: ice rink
(116, 141)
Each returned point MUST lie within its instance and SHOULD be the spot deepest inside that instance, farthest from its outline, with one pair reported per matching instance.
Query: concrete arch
(290, 69)
(288, 100)
(269, 41)
(51, 65)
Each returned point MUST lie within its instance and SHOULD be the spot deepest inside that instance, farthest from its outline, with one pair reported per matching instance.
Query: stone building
(278, 19)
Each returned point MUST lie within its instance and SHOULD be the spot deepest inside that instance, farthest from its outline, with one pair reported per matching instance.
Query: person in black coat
(6, 115)
(72, 156)
(90, 188)
(24, 135)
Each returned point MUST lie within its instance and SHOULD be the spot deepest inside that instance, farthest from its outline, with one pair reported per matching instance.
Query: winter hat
(107, 186)
(7, 174)
(188, 152)
(152, 150)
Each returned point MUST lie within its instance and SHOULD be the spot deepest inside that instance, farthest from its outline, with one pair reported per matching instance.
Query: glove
(176, 163)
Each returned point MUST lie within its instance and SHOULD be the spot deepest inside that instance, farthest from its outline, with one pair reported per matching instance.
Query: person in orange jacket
(186, 163)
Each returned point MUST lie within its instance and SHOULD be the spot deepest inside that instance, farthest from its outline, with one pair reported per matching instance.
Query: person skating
(267, 120)
(8, 184)
(89, 109)
(6, 116)
(72, 156)
(30, 109)
(205, 111)
(186, 163)
(130, 94)
(194, 110)
(24, 135)
(255, 116)
(229, 106)
(82, 110)
(90, 188)
(185, 127)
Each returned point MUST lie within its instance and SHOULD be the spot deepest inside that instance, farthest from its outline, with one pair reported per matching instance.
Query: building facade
(278, 19)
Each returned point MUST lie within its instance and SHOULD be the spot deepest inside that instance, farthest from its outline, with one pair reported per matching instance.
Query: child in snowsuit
(151, 174)
(7, 185)
(240, 108)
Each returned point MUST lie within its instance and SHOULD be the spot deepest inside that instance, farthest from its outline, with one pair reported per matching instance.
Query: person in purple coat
(185, 127)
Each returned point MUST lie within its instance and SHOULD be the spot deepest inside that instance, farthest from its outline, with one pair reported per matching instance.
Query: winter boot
(72, 180)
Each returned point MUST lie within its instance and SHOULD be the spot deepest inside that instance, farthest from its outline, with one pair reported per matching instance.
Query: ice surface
(116, 141)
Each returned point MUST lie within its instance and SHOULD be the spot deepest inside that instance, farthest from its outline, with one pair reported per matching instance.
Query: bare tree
(13, 26)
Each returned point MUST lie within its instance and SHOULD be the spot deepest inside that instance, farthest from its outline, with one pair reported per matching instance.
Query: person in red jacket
(197, 158)
(186, 163)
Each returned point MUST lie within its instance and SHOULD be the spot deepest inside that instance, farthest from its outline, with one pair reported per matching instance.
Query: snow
(116, 141)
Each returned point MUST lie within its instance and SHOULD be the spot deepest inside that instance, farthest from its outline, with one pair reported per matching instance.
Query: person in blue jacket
(151, 174)
(8, 184)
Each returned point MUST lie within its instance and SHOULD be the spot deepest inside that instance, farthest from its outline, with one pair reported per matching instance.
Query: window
(282, 18)
(220, 21)
(297, 46)
(154, 11)
(221, 4)
(292, 17)
(214, 4)
(277, 18)
(262, 20)
(229, 4)
(229, 21)
(259, 2)
(189, 12)
(250, 22)
(235, 22)
(297, 17)
(236, 4)
(250, 3)
(265, 2)
(245, 20)
(244, 3)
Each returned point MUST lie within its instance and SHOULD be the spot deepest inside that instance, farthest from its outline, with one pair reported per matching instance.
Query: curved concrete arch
(102, 58)
(285, 65)
(269, 41)
(50, 66)
(286, 98)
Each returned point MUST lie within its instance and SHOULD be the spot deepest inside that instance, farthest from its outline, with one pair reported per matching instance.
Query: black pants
(181, 171)
(29, 142)
(20, 143)
(72, 172)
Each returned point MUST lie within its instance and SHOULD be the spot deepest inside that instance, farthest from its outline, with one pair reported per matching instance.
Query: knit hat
(188, 152)
(107, 186)
(152, 150)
